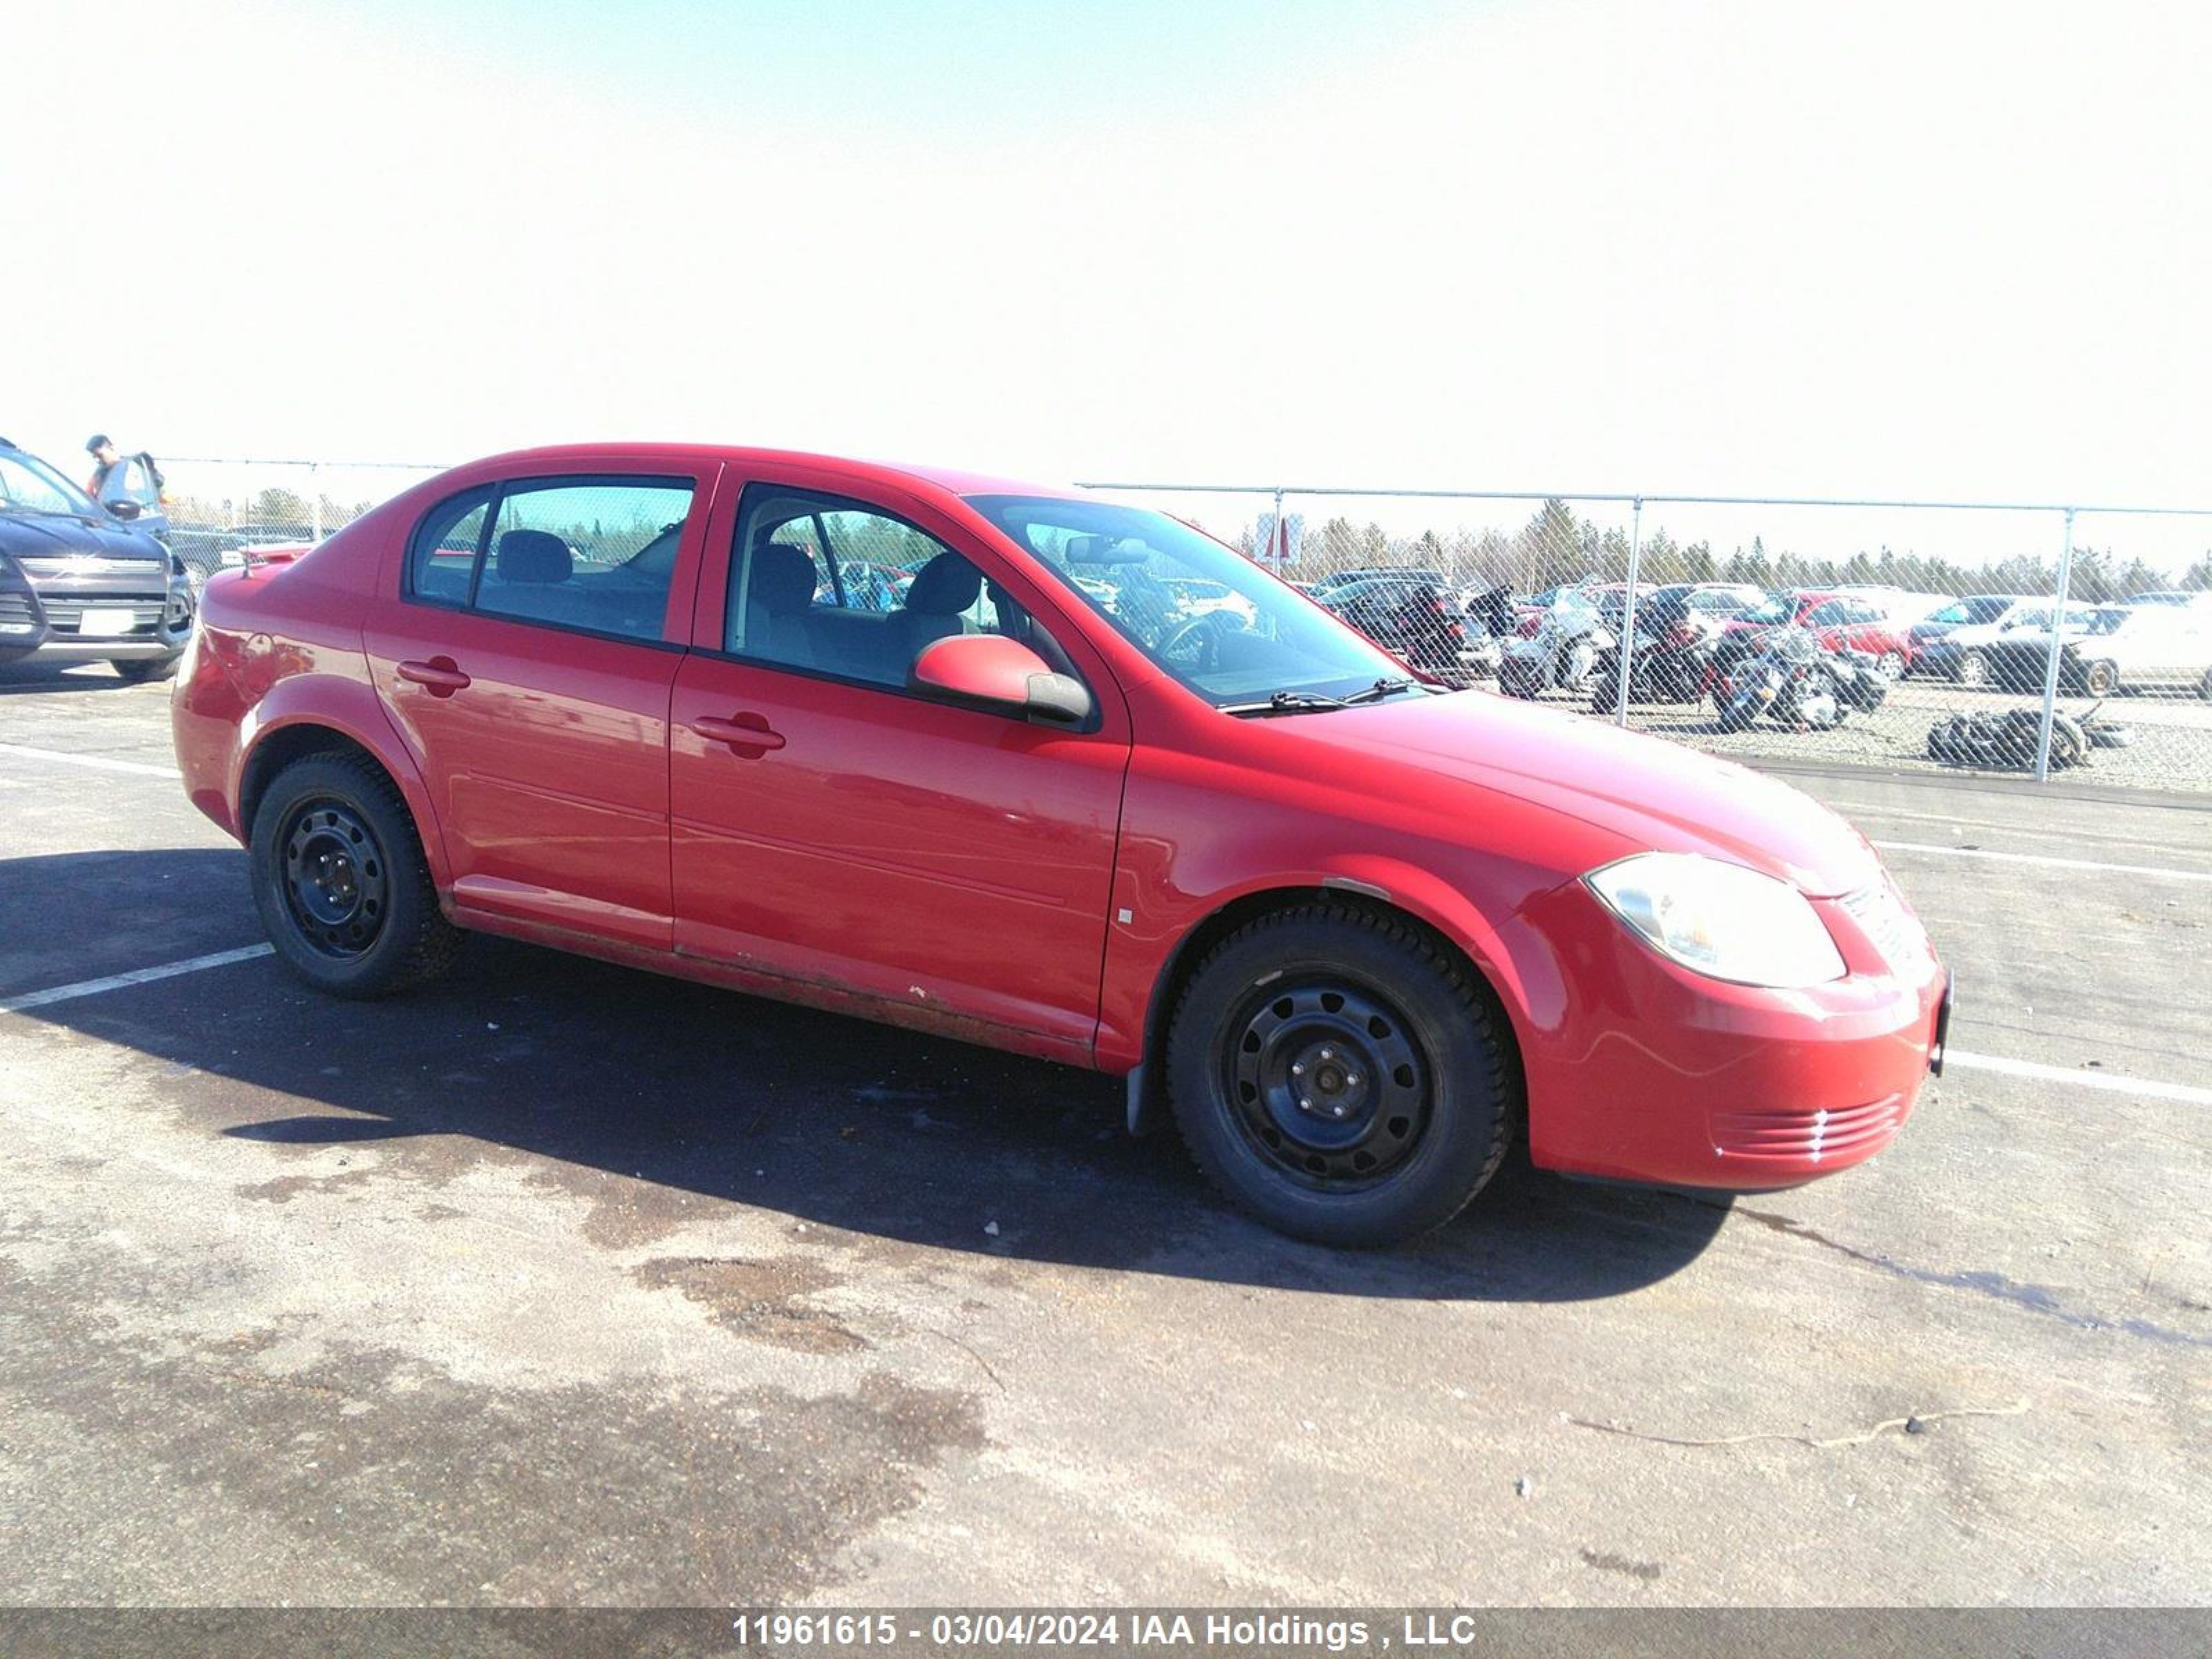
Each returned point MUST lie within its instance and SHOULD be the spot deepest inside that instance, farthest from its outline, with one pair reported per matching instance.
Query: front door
(527, 654)
(835, 831)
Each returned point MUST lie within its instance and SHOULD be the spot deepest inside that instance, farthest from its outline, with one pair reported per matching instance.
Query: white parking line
(97, 762)
(93, 988)
(2116, 1085)
(2038, 857)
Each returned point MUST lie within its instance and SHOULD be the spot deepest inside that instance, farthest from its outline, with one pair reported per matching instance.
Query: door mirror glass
(997, 672)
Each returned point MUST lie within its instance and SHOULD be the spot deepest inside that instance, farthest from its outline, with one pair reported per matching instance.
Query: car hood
(32, 538)
(1643, 793)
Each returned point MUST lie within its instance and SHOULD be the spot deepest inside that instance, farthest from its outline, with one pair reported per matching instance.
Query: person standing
(106, 461)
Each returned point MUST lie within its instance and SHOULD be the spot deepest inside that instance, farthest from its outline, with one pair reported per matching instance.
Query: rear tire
(1340, 1077)
(2101, 679)
(339, 879)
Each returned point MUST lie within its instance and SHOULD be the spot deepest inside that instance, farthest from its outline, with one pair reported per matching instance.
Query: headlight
(1720, 919)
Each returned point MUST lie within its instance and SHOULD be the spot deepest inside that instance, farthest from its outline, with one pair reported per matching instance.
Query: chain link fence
(220, 510)
(2033, 639)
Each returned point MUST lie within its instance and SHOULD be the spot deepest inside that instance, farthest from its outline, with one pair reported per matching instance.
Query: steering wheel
(1208, 631)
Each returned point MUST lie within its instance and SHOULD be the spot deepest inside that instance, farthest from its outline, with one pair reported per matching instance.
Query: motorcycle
(1795, 683)
(1673, 665)
(1563, 652)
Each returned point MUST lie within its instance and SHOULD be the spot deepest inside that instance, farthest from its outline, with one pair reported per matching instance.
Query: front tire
(2101, 679)
(1974, 670)
(1340, 1077)
(339, 879)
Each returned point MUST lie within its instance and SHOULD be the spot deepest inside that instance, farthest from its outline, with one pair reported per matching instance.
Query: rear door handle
(440, 676)
(748, 733)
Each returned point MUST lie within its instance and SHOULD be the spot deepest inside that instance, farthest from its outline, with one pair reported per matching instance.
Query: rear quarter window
(441, 558)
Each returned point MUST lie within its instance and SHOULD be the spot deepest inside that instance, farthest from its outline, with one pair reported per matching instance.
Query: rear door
(526, 647)
(833, 829)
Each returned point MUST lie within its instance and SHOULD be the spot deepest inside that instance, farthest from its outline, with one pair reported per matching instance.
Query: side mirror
(993, 672)
(125, 508)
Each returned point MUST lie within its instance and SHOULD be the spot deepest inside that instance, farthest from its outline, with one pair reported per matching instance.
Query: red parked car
(1356, 932)
(1853, 620)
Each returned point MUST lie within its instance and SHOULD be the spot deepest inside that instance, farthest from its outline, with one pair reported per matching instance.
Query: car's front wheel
(1974, 669)
(1341, 1077)
(341, 882)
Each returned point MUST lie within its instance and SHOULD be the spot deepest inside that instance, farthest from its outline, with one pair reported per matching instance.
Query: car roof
(952, 480)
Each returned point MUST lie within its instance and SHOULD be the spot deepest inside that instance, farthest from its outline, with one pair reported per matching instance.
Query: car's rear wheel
(2101, 679)
(1340, 1077)
(341, 882)
(1974, 669)
(1890, 665)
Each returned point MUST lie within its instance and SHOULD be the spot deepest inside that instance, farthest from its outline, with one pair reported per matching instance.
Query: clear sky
(1738, 245)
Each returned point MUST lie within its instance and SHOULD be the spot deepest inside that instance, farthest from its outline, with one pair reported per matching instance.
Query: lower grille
(17, 614)
(1808, 1135)
(67, 616)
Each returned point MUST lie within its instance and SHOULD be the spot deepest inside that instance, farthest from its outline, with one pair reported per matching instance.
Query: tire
(2101, 679)
(1400, 1037)
(1738, 712)
(144, 670)
(1974, 669)
(2205, 686)
(339, 879)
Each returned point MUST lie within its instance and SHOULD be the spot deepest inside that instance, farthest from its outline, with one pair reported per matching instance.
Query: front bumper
(1649, 1072)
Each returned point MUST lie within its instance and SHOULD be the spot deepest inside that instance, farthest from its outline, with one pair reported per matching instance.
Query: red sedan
(1355, 933)
(1853, 620)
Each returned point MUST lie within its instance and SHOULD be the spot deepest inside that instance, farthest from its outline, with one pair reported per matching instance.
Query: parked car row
(2004, 640)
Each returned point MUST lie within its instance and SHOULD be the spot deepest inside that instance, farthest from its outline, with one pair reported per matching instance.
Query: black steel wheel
(1341, 1075)
(1329, 1083)
(335, 879)
(339, 878)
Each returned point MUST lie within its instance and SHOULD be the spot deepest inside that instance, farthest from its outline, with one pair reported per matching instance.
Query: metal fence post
(315, 498)
(1281, 539)
(2057, 646)
(1624, 657)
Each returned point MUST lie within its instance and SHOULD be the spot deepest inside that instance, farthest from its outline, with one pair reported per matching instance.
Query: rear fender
(351, 708)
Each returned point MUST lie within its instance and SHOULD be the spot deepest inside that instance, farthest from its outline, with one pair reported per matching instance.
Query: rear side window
(441, 562)
(595, 554)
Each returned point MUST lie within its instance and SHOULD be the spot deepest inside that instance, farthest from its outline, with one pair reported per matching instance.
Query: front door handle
(747, 733)
(440, 675)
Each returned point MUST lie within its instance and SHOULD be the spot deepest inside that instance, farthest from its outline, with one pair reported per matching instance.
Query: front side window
(1202, 611)
(597, 554)
(833, 586)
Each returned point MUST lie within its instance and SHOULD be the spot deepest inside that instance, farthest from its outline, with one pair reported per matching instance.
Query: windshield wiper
(1285, 703)
(1379, 690)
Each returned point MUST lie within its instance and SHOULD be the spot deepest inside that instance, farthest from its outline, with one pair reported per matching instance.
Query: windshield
(1771, 611)
(29, 485)
(1201, 610)
(1973, 610)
